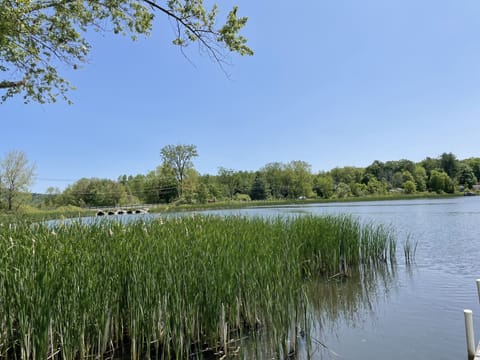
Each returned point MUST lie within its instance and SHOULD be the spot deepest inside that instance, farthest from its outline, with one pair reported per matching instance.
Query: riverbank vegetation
(34, 214)
(175, 184)
(173, 288)
(42, 213)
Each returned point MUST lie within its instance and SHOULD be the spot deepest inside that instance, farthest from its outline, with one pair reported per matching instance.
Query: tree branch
(171, 14)
(195, 31)
(11, 84)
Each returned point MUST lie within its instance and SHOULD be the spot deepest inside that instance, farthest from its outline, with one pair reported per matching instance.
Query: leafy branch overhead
(39, 36)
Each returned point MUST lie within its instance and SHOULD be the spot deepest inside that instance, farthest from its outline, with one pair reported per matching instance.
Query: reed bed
(168, 288)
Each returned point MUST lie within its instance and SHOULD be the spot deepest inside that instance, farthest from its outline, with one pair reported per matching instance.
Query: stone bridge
(123, 210)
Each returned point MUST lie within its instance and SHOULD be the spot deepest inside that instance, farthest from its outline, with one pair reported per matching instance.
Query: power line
(54, 179)
(162, 189)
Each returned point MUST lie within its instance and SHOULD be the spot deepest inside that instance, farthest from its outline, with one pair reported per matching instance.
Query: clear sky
(332, 83)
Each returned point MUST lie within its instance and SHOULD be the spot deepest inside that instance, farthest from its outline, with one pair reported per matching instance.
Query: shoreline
(72, 212)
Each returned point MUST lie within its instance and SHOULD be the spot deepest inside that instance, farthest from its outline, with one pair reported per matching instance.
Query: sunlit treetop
(36, 36)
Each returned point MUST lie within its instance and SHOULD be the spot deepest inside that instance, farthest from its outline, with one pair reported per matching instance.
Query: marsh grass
(168, 288)
(409, 250)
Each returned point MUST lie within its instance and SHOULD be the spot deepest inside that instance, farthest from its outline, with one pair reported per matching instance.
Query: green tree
(359, 189)
(407, 176)
(227, 178)
(393, 171)
(235, 182)
(190, 186)
(409, 187)
(437, 181)
(160, 185)
(397, 180)
(202, 193)
(107, 192)
(259, 188)
(52, 196)
(323, 185)
(390, 169)
(377, 169)
(342, 190)
(375, 186)
(430, 164)
(274, 175)
(474, 164)
(38, 37)
(75, 193)
(213, 187)
(245, 181)
(466, 176)
(299, 179)
(406, 165)
(440, 182)
(179, 158)
(449, 164)
(420, 176)
(95, 192)
(16, 175)
(348, 175)
(135, 187)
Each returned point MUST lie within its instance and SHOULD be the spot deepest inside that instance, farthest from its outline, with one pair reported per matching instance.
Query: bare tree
(16, 175)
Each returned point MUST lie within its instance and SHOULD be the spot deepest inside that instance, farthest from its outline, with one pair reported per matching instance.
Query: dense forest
(179, 182)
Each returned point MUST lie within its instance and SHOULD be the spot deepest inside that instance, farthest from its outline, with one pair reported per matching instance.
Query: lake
(417, 313)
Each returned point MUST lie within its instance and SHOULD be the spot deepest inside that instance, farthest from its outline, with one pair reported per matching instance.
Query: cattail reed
(171, 288)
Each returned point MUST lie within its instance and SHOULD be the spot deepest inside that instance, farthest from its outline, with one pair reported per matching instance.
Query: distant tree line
(176, 180)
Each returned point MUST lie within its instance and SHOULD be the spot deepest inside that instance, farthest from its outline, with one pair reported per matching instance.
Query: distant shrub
(242, 197)
(409, 187)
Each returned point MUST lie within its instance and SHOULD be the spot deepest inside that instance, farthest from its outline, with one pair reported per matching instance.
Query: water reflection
(350, 301)
(350, 297)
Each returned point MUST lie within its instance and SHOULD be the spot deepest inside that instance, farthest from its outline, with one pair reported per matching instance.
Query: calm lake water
(407, 312)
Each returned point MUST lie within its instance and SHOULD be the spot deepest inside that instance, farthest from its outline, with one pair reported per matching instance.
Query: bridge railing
(130, 206)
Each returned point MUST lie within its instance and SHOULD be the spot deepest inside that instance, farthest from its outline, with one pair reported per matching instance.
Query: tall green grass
(168, 288)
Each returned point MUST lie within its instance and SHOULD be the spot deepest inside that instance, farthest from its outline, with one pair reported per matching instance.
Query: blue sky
(332, 83)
